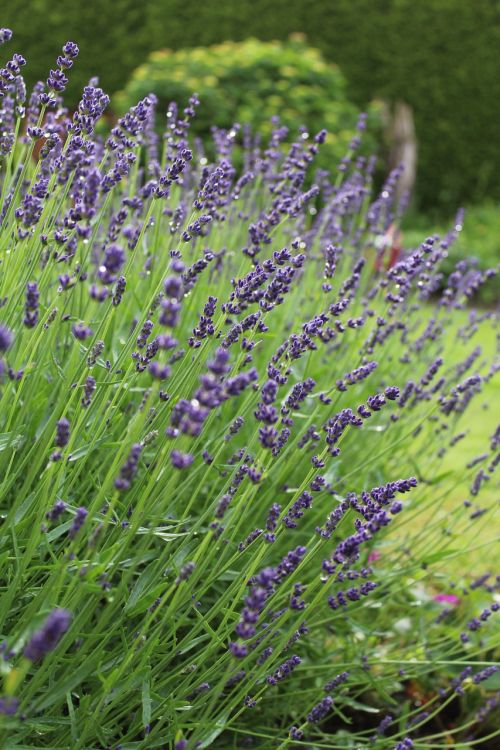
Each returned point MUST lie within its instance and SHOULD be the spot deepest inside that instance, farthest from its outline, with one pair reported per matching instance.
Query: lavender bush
(228, 512)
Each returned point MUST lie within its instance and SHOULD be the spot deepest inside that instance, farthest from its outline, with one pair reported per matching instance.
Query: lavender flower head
(80, 516)
(9, 704)
(129, 468)
(57, 80)
(6, 338)
(5, 35)
(46, 639)
(32, 305)
(62, 433)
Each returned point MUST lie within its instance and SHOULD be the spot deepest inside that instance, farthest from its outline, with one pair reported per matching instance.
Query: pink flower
(374, 556)
(447, 599)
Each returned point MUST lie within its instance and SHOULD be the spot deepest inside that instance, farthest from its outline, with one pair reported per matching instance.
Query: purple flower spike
(32, 305)
(79, 520)
(320, 710)
(129, 468)
(62, 433)
(81, 331)
(8, 705)
(56, 510)
(181, 460)
(88, 390)
(119, 290)
(114, 258)
(6, 338)
(46, 639)
(158, 370)
(238, 650)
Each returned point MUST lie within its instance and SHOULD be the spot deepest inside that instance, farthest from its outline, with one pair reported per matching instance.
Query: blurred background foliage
(439, 56)
(250, 83)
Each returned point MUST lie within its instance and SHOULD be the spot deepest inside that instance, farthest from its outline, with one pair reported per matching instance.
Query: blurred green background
(440, 57)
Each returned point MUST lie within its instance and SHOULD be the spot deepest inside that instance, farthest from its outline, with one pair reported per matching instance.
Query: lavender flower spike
(6, 338)
(62, 433)
(79, 520)
(129, 468)
(46, 639)
(32, 305)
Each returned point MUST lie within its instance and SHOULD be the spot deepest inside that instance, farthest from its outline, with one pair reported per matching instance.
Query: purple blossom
(320, 710)
(97, 293)
(81, 331)
(284, 670)
(263, 585)
(159, 371)
(5, 35)
(384, 725)
(144, 334)
(32, 305)
(181, 460)
(48, 636)
(405, 744)
(121, 284)
(90, 108)
(296, 733)
(78, 521)
(88, 390)
(57, 509)
(484, 674)
(185, 572)
(62, 433)
(273, 516)
(8, 704)
(129, 468)
(6, 337)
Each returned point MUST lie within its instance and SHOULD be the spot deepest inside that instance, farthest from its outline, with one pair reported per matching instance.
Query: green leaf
(11, 438)
(146, 699)
(219, 727)
(58, 690)
(84, 450)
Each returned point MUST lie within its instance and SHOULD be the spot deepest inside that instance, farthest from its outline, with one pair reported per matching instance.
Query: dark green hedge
(441, 56)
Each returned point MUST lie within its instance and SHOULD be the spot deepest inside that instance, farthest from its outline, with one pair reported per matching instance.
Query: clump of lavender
(258, 426)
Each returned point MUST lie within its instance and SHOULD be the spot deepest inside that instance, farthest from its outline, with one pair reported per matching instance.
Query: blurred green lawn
(479, 421)
(479, 238)
(483, 415)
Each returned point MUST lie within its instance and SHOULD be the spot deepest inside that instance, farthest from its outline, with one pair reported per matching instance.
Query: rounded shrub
(248, 82)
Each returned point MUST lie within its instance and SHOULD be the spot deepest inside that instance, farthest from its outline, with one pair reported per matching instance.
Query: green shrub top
(248, 82)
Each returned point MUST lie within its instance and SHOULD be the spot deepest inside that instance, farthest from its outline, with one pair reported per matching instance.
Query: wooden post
(402, 146)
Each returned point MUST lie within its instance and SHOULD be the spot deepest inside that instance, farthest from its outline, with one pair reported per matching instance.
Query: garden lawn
(477, 544)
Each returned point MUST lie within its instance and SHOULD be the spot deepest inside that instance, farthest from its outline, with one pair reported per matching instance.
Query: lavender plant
(230, 512)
